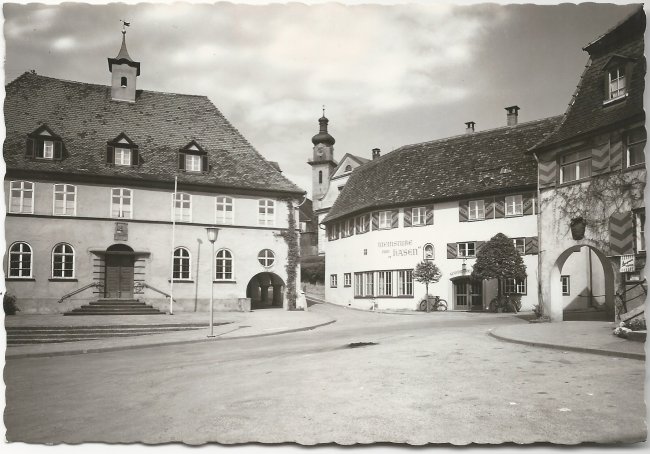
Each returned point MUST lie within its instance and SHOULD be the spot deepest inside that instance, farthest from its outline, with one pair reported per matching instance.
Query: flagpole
(171, 287)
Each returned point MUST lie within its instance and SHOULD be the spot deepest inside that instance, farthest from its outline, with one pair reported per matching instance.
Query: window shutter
(615, 151)
(204, 163)
(58, 150)
(621, 233)
(531, 245)
(110, 154)
(600, 154)
(135, 157)
(429, 210)
(407, 216)
(452, 251)
(547, 173)
(499, 207)
(29, 148)
(181, 161)
(394, 219)
(489, 208)
(479, 245)
(463, 211)
(375, 220)
(606, 84)
(39, 148)
(528, 203)
(367, 221)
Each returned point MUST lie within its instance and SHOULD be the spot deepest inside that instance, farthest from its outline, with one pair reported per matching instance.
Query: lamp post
(213, 232)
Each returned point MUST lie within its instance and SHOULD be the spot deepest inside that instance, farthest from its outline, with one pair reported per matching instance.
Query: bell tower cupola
(124, 72)
(322, 162)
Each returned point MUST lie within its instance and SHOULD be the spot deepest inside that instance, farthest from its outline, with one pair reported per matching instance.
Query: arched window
(428, 252)
(320, 176)
(266, 257)
(224, 269)
(20, 260)
(348, 168)
(62, 261)
(123, 81)
(181, 264)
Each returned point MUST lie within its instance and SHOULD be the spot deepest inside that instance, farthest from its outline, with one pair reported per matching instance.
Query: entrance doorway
(118, 281)
(266, 290)
(468, 294)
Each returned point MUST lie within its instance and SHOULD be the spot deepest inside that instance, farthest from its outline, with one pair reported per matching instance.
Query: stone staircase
(114, 306)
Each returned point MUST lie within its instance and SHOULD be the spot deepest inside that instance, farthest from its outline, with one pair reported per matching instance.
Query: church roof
(446, 169)
(160, 124)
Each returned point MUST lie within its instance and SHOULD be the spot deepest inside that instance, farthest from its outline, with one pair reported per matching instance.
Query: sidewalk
(228, 325)
(587, 337)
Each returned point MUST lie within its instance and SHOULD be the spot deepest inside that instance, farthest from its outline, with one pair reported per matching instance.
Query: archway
(266, 290)
(582, 285)
(119, 271)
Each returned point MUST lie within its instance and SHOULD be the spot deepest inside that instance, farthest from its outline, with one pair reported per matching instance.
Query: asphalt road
(436, 378)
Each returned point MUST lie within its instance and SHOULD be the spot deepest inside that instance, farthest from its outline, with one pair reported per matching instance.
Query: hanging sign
(627, 263)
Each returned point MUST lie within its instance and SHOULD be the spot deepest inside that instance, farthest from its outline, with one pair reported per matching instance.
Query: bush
(314, 273)
(636, 324)
(538, 310)
(9, 304)
(506, 303)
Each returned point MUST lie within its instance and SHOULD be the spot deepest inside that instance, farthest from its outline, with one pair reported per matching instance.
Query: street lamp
(213, 232)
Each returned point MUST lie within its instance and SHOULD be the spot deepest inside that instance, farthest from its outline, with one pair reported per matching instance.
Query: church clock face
(320, 151)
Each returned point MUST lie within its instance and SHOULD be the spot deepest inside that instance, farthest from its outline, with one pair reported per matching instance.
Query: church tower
(322, 162)
(124, 73)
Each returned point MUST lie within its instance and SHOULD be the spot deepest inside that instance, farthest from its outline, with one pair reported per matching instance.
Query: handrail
(167, 295)
(79, 290)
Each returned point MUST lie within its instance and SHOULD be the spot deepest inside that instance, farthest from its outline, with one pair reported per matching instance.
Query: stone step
(638, 336)
(117, 326)
(103, 333)
(115, 313)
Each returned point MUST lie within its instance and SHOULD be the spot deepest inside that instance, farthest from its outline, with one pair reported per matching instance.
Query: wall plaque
(121, 231)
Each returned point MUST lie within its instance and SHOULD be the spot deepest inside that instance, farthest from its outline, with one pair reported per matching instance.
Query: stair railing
(79, 290)
(145, 285)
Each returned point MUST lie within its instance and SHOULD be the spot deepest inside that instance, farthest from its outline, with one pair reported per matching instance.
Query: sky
(389, 75)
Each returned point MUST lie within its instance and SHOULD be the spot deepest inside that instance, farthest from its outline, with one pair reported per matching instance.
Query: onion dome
(323, 136)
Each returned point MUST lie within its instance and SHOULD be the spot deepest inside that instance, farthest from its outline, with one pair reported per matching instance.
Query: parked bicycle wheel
(423, 305)
(442, 305)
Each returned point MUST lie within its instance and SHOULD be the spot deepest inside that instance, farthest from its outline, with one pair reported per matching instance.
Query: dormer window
(122, 151)
(616, 82)
(616, 76)
(193, 158)
(44, 144)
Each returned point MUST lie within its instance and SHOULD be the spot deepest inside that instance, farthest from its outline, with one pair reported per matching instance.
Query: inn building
(109, 190)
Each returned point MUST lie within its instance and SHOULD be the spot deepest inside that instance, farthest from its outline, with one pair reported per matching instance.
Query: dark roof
(586, 113)
(306, 210)
(159, 123)
(452, 168)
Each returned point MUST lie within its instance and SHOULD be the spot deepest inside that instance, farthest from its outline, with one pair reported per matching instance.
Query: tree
(427, 272)
(498, 259)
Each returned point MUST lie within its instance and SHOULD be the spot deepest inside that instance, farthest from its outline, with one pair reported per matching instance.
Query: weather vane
(124, 25)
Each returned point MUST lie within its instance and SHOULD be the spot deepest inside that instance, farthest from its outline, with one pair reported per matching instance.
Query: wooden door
(119, 276)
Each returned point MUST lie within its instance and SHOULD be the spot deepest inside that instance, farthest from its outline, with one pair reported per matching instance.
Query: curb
(594, 351)
(82, 351)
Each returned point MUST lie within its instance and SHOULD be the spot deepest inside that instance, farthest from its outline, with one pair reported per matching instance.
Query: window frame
(622, 92)
(131, 197)
(263, 217)
(517, 205)
(422, 216)
(181, 266)
(334, 280)
(261, 260)
(512, 283)
(225, 260)
(629, 145)
(405, 283)
(21, 269)
(388, 219)
(347, 279)
(22, 196)
(587, 160)
(175, 210)
(565, 281)
(54, 254)
(65, 193)
(221, 203)
(523, 245)
(639, 231)
(348, 227)
(384, 283)
(477, 204)
(362, 224)
(466, 244)
(122, 154)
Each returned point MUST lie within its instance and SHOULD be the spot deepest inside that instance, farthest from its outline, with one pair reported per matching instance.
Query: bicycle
(434, 303)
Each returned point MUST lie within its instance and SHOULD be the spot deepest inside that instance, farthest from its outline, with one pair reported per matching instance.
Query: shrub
(9, 304)
(538, 310)
(636, 324)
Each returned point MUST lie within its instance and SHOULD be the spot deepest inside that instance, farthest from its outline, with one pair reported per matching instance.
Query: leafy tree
(498, 259)
(427, 272)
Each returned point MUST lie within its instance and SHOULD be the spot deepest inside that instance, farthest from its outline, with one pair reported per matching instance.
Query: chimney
(375, 153)
(470, 127)
(512, 115)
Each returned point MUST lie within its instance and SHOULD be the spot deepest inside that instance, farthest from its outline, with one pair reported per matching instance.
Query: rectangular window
(22, 197)
(225, 210)
(333, 280)
(182, 207)
(192, 163)
(121, 203)
(514, 205)
(517, 286)
(362, 223)
(385, 283)
(65, 200)
(358, 284)
(575, 166)
(639, 226)
(369, 283)
(385, 219)
(405, 283)
(333, 232)
(616, 83)
(348, 228)
(636, 140)
(467, 249)
(266, 212)
(122, 156)
(520, 245)
(347, 279)
(476, 210)
(566, 285)
(418, 216)
(48, 149)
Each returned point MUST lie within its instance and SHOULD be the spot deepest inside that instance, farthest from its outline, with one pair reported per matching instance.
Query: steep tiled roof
(586, 113)
(444, 169)
(159, 123)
